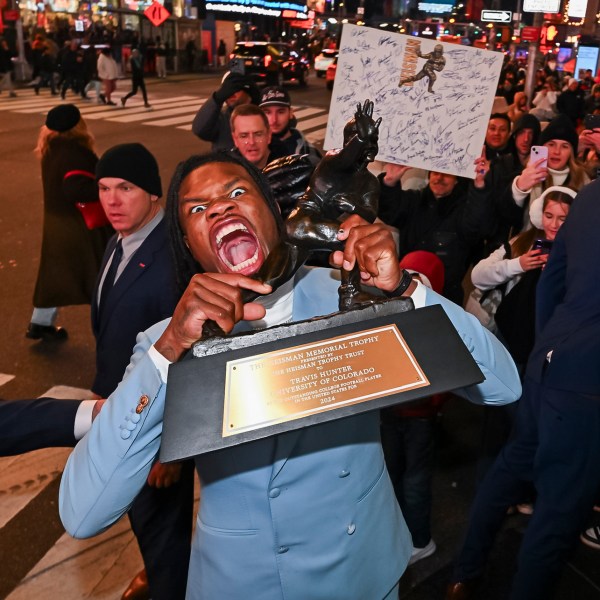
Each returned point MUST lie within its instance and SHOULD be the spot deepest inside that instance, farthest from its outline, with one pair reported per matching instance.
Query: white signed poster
(434, 98)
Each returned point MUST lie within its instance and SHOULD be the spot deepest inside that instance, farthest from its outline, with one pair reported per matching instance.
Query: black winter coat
(452, 227)
(71, 253)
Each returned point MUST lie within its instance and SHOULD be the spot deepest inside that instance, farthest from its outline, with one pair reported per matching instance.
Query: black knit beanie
(560, 128)
(63, 117)
(133, 163)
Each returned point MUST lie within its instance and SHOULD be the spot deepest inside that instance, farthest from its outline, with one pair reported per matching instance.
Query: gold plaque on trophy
(285, 385)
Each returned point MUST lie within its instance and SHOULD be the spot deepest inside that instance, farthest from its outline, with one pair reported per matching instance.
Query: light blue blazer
(306, 514)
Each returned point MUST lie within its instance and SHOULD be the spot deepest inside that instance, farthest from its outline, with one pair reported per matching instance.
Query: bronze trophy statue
(340, 186)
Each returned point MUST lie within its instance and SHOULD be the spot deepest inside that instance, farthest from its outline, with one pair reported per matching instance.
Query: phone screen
(591, 122)
(544, 245)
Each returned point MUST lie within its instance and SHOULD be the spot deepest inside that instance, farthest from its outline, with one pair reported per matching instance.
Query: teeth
(227, 230)
(242, 265)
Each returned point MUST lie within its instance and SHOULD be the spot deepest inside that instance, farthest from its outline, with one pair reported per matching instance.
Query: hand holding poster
(434, 98)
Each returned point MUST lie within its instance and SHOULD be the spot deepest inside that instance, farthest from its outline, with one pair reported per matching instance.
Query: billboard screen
(587, 58)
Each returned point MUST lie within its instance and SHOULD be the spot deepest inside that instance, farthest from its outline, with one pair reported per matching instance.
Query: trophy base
(253, 385)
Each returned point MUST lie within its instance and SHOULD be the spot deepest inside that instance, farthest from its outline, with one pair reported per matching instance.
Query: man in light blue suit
(305, 514)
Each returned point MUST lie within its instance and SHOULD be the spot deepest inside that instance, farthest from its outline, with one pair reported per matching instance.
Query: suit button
(282, 549)
(351, 528)
(132, 417)
(125, 433)
(274, 493)
(144, 400)
(343, 473)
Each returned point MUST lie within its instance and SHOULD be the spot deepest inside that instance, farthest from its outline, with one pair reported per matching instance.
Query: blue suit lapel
(138, 264)
(284, 445)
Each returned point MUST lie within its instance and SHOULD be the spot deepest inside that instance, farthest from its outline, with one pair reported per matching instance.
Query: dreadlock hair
(185, 264)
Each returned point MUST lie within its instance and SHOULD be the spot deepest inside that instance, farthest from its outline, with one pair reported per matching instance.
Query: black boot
(48, 333)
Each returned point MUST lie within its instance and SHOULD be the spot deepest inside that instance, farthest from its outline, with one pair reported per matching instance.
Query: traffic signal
(503, 34)
(553, 34)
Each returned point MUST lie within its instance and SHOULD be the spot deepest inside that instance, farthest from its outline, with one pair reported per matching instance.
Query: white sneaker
(591, 537)
(419, 553)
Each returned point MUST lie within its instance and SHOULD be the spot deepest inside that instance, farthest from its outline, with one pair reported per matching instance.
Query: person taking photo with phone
(589, 145)
(515, 268)
(508, 217)
(520, 270)
(560, 168)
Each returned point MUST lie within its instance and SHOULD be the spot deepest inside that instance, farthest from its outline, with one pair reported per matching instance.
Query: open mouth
(238, 248)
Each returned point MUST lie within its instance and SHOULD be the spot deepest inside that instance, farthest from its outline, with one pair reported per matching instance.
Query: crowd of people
(91, 64)
(519, 228)
(554, 93)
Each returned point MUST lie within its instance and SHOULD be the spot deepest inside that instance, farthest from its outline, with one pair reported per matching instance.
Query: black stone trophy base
(231, 392)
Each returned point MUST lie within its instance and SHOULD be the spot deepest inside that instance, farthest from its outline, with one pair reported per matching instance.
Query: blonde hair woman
(71, 253)
(561, 167)
(521, 269)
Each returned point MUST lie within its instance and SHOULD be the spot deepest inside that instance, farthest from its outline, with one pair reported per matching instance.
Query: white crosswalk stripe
(320, 121)
(110, 113)
(191, 107)
(173, 121)
(5, 378)
(301, 113)
(177, 111)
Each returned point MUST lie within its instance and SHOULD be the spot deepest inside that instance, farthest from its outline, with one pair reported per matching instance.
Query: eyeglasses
(246, 138)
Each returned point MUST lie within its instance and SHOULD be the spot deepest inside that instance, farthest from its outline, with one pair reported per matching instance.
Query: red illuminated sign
(308, 24)
(530, 34)
(293, 14)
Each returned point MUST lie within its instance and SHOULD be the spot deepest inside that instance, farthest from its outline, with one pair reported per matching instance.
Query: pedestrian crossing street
(177, 111)
(55, 565)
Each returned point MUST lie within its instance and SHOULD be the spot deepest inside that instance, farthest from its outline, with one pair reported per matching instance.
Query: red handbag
(92, 212)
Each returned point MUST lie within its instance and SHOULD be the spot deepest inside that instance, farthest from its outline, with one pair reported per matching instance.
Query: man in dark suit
(27, 425)
(556, 439)
(135, 289)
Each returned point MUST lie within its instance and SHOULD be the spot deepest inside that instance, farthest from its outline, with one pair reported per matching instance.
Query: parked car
(323, 61)
(269, 62)
(330, 75)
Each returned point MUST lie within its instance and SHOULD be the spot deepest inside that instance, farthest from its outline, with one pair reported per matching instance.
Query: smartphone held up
(543, 245)
(538, 153)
